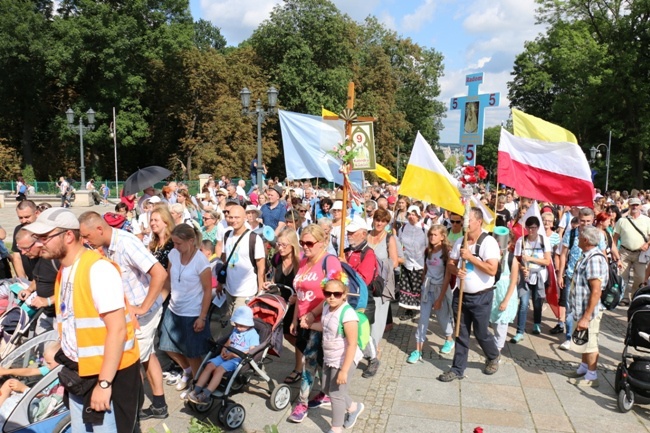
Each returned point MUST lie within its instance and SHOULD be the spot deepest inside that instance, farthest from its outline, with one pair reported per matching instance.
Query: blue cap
(243, 316)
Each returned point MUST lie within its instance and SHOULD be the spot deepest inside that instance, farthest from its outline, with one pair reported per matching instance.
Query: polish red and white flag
(541, 163)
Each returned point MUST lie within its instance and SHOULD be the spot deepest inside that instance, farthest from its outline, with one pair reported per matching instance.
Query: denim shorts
(177, 335)
(228, 365)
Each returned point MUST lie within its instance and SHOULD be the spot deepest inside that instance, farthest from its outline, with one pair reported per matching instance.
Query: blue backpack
(357, 290)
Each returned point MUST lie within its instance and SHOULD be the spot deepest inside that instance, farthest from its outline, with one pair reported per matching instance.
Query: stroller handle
(276, 289)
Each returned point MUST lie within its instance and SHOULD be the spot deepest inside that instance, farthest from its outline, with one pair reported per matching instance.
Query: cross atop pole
(472, 108)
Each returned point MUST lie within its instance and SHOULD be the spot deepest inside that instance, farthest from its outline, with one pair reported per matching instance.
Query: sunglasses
(532, 227)
(308, 244)
(226, 212)
(329, 294)
(302, 211)
(456, 221)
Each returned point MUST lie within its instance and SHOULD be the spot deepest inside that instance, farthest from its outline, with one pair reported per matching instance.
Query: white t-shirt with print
(241, 280)
(107, 293)
(534, 249)
(334, 344)
(476, 280)
(187, 290)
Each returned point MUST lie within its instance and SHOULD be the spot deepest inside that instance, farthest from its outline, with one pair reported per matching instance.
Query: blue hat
(243, 316)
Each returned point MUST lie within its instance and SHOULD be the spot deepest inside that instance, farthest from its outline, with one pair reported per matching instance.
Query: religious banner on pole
(363, 139)
(472, 115)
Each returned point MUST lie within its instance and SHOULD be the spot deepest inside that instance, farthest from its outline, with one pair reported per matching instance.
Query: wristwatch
(104, 384)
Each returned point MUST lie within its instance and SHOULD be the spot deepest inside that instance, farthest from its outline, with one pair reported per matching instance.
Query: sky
(472, 35)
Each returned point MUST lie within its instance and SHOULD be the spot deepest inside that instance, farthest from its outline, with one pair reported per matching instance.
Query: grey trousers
(341, 400)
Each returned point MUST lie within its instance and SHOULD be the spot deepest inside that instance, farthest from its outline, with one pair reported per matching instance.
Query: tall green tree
(586, 74)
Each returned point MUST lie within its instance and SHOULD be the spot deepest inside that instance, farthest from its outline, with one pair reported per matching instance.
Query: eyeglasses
(281, 245)
(456, 221)
(532, 227)
(25, 250)
(45, 239)
(207, 218)
(329, 294)
(308, 244)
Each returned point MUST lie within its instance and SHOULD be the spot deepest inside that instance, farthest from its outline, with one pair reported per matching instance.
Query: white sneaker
(566, 345)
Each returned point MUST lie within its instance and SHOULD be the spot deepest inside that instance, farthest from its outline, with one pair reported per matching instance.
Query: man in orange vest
(99, 351)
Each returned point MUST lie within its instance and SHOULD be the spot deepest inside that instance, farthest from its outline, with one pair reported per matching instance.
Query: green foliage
(197, 426)
(585, 74)
(175, 85)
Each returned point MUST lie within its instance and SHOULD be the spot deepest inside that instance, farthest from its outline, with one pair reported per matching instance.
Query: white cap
(338, 205)
(415, 209)
(53, 218)
(154, 199)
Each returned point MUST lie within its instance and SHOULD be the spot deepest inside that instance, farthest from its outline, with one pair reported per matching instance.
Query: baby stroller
(15, 324)
(40, 409)
(268, 311)
(632, 382)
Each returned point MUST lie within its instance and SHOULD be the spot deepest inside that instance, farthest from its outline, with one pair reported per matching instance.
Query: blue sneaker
(517, 338)
(537, 329)
(447, 347)
(351, 417)
(414, 357)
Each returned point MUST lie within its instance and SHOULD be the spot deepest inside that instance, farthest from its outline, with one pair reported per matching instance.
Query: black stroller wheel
(234, 416)
(625, 404)
(280, 397)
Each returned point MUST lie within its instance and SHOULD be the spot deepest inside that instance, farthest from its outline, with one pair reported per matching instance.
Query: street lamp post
(261, 114)
(595, 153)
(80, 129)
(113, 135)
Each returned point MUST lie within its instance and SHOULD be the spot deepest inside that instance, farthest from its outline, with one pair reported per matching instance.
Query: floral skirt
(410, 288)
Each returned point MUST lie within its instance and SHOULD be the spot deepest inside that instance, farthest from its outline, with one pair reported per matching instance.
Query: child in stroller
(243, 338)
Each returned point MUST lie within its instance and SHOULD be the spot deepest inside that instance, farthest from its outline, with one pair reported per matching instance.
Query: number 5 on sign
(470, 154)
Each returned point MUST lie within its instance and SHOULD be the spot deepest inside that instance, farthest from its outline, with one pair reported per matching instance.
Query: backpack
(376, 286)
(359, 300)
(612, 292)
(251, 247)
(477, 249)
(572, 238)
(363, 336)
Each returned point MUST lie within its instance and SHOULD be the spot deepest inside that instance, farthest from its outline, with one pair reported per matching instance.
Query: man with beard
(97, 335)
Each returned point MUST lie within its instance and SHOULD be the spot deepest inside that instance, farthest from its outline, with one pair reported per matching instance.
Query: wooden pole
(461, 286)
(346, 168)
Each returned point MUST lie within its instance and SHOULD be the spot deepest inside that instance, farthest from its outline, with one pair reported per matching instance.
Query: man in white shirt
(142, 281)
(479, 279)
(243, 279)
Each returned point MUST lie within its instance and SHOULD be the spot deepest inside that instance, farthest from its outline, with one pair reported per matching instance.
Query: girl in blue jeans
(433, 295)
(534, 254)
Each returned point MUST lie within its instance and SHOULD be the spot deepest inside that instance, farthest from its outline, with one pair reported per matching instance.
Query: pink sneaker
(299, 413)
(321, 400)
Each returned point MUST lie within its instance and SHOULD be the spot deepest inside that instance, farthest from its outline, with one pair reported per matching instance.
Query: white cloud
(237, 19)
(422, 15)
(388, 20)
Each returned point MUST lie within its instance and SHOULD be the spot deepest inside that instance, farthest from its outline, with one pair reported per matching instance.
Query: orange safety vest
(90, 328)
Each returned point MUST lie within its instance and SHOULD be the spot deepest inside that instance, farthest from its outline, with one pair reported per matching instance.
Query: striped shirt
(592, 266)
(135, 261)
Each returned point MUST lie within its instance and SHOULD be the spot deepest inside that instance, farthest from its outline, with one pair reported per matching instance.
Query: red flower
(469, 169)
(482, 174)
(472, 179)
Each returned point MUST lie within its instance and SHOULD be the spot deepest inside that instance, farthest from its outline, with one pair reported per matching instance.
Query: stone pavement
(528, 394)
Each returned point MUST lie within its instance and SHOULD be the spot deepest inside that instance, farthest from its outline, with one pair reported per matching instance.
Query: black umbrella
(144, 178)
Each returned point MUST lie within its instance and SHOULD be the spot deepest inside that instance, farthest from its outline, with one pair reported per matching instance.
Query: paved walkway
(528, 394)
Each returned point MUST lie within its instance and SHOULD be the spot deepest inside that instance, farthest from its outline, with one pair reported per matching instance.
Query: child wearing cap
(244, 338)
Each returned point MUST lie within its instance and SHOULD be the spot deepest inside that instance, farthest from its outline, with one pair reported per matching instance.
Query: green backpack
(363, 336)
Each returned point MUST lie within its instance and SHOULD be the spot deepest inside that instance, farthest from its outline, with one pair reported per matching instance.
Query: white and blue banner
(306, 139)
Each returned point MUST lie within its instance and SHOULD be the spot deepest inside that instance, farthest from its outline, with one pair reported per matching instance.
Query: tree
(584, 74)
(207, 36)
